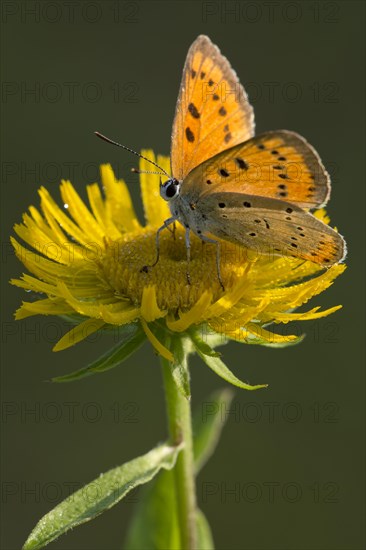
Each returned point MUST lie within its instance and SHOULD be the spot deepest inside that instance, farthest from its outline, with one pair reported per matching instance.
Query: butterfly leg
(218, 254)
(166, 224)
(188, 248)
(172, 231)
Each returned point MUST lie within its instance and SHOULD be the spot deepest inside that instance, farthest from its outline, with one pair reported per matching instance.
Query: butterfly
(227, 183)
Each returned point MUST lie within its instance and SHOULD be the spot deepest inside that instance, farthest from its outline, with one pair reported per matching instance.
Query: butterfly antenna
(104, 138)
(137, 171)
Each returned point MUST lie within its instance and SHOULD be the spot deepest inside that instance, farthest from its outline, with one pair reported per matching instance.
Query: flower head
(88, 261)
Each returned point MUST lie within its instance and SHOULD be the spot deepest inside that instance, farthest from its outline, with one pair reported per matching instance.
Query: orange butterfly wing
(212, 112)
(279, 165)
(270, 226)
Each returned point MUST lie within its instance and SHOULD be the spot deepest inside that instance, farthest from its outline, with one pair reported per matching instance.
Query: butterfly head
(170, 189)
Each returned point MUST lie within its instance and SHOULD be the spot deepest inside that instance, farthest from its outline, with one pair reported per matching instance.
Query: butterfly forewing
(212, 113)
(279, 164)
(270, 226)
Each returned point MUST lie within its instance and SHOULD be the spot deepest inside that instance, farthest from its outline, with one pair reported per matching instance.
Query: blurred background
(289, 469)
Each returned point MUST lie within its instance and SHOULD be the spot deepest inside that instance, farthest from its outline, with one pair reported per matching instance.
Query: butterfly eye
(169, 189)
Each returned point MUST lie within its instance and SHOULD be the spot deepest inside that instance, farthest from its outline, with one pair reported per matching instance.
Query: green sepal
(132, 338)
(204, 346)
(219, 367)
(107, 490)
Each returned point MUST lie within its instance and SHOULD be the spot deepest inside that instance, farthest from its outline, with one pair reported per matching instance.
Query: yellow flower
(88, 261)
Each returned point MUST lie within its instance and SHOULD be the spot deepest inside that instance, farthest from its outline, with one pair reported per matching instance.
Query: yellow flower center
(125, 259)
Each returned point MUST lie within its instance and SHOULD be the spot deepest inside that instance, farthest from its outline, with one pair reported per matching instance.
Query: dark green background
(319, 47)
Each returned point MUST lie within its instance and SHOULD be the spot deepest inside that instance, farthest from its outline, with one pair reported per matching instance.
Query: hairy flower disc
(127, 266)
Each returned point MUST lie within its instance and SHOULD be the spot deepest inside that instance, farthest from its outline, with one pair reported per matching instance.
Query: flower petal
(268, 336)
(47, 242)
(293, 296)
(162, 350)
(155, 208)
(228, 300)
(78, 333)
(117, 313)
(81, 214)
(32, 283)
(101, 212)
(47, 306)
(49, 205)
(233, 333)
(193, 316)
(121, 316)
(149, 306)
(118, 200)
(279, 317)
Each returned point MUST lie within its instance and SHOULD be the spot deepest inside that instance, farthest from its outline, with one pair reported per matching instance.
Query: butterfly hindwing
(212, 113)
(279, 164)
(270, 226)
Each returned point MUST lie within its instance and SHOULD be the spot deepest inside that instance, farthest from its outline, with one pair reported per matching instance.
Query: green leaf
(220, 368)
(208, 423)
(155, 523)
(133, 336)
(100, 495)
(204, 535)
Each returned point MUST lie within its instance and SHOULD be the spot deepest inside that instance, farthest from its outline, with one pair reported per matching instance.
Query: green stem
(180, 430)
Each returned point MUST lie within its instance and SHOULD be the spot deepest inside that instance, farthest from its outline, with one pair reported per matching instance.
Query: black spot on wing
(193, 110)
(241, 163)
(189, 134)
